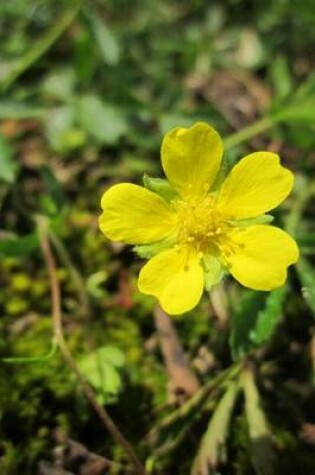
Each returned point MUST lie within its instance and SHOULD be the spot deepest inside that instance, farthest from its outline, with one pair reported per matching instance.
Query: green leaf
(62, 131)
(301, 112)
(19, 246)
(307, 276)
(281, 78)
(101, 369)
(248, 48)
(244, 321)
(8, 165)
(173, 428)
(53, 187)
(306, 89)
(60, 84)
(104, 38)
(262, 451)
(212, 450)
(19, 110)
(104, 122)
(254, 320)
(94, 284)
(269, 317)
(306, 239)
(159, 186)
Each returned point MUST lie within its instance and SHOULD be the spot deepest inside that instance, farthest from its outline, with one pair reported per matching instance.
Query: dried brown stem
(182, 377)
(59, 337)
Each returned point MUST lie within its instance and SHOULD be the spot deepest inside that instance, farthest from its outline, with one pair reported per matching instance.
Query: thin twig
(78, 281)
(218, 300)
(59, 337)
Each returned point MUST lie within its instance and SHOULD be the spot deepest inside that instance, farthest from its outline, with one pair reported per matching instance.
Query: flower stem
(250, 131)
(59, 337)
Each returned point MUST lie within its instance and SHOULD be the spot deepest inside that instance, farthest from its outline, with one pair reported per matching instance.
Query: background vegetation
(87, 91)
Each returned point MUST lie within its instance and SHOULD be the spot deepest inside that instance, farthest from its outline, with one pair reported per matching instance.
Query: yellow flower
(196, 230)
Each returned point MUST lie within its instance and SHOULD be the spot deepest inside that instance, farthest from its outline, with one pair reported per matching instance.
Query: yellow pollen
(200, 224)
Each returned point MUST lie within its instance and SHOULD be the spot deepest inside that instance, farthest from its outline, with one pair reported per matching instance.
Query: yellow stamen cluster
(201, 224)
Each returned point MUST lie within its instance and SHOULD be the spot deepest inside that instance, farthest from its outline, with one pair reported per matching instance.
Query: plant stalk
(250, 131)
(59, 337)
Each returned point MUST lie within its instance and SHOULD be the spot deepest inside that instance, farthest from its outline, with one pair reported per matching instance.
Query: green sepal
(244, 223)
(160, 186)
(213, 271)
(147, 251)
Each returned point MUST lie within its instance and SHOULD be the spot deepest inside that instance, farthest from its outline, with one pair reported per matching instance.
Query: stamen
(201, 225)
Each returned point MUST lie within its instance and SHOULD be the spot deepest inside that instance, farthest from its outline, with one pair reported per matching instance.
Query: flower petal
(264, 253)
(175, 277)
(191, 158)
(134, 215)
(257, 184)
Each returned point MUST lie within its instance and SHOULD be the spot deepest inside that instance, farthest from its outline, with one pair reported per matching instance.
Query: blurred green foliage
(88, 88)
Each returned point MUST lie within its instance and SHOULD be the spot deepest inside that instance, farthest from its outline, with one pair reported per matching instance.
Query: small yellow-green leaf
(262, 451)
(102, 369)
(105, 122)
(105, 39)
(212, 450)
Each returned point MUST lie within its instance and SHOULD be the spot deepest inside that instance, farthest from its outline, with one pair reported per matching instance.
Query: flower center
(201, 224)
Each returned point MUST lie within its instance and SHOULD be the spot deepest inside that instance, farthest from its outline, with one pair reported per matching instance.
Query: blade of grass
(262, 451)
(173, 428)
(212, 450)
(41, 45)
(33, 359)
